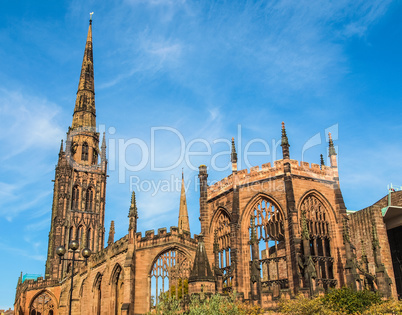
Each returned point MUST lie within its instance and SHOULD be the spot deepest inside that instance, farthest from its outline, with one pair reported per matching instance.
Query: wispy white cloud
(26, 122)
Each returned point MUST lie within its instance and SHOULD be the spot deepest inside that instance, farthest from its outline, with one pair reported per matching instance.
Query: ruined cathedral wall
(361, 236)
(30, 289)
(101, 270)
(148, 249)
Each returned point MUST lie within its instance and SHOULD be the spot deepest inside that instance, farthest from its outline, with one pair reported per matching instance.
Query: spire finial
(234, 154)
(322, 163)
(84, 111)
(331, 150)
(110, 241)
(285, 143)
(90, 17)
(61, 147)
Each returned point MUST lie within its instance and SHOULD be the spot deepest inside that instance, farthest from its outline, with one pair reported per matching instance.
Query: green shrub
(387, 307)
(305, 306)
(350, 301)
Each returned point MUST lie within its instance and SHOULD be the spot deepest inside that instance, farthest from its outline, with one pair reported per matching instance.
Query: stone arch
(245, 215)
(43, 303)
(97, 294)
(89, 198)
(317, 221)
(220, 229)
(75, 197)
(264, 234)
(116, 283)
(322, 198)
(169, 267)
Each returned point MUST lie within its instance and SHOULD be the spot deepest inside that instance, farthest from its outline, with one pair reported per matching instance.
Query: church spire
(184, 224)
(84, 111)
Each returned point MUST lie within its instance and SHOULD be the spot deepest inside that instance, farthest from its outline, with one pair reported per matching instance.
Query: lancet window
(170, 269)
(267, 247)
(75, 198)
(84, 153)
(89, 239)
(98, 295)
(89, 199)
(42, 305)
(117, 290)
(317, 224)
(222, 249)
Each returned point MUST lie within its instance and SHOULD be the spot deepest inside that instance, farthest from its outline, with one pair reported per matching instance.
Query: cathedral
(270, 232)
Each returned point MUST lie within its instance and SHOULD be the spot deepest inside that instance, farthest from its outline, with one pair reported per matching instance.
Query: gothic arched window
(89, 239)
(98, 294)
(317, 227)
(89, 199)
(75, 198)
(117, 289)
(43, 304)
(168, 271)
(267, 238)
(222, 249)
(84, 153)
(80, 235)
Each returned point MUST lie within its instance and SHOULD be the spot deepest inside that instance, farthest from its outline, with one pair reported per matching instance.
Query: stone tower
(78, 209)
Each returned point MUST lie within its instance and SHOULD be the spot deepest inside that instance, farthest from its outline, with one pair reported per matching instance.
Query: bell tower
(78, 209)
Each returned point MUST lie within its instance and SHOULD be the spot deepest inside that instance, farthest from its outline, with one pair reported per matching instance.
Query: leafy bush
(387, 307)
(350, 301)
(306, 306)
(215, 305)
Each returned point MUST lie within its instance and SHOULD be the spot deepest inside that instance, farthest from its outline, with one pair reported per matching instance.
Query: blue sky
(202, 72)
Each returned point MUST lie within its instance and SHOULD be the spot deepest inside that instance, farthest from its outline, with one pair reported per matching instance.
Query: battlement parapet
(244, 177)
(37, 284)
(174, 235)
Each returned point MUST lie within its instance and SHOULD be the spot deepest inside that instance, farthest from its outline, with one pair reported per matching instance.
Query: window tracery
(267, 246)
(42, 305)
(170, 268)
(317, 224)
(89, 199)
(222, 249)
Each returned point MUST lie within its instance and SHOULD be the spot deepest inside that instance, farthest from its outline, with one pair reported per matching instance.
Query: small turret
(133, 217)
(331, 151)
(322, 163)
(285, 143)
(201, 278)
(234, 157)
(110, 241)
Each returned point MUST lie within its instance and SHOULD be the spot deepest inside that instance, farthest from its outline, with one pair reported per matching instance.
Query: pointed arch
(117, 269)
(97, 294)
(322, 199)
(168, 268)
(75, 200)
(44, 302)
(89, 199)
(318, 221)
(220, 229)
(80, 235)
(97, 280)
(245, 216)
(116, 282)
(263, 224)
